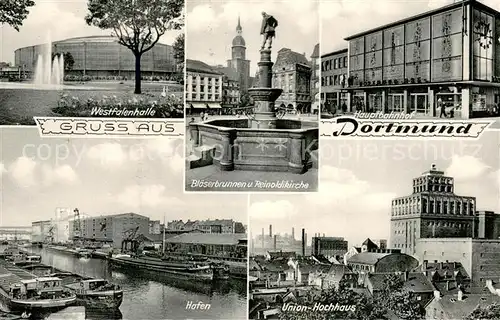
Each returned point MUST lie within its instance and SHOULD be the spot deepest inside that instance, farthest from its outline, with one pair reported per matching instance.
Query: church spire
(238, 27)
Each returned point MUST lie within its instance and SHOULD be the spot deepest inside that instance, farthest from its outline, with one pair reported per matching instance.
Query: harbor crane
(130, 238)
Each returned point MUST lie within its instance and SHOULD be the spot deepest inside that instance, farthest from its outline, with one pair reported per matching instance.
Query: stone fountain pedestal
(264, 96)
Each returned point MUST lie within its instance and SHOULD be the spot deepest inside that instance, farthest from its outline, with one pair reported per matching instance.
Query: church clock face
(484, 34)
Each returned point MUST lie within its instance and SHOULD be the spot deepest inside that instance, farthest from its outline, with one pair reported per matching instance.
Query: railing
(222, 258)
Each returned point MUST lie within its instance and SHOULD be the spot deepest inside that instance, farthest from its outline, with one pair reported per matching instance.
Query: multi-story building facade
(113, 229)
(41, 230)
(335, 247)
(230, 88)
(433, 210)
(334, 80)
(292, 74)
(16, 233)
(154, 227)
(203, 87)
(207, 226)
(446, 58)
(315, 79)
(238, 63)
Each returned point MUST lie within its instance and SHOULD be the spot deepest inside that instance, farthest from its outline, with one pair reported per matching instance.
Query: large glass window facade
(483, 44)
(418, 50)
(447, 46)
(425, 50)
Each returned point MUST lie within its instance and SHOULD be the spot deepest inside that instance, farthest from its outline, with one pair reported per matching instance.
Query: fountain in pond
(49, 71)
(264, 142)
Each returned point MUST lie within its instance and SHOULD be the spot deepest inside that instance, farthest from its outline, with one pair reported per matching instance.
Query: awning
(197, 105)
(214, 105)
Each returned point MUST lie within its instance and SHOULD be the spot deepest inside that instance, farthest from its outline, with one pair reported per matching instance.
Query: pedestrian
(442, 107)
(202, 115)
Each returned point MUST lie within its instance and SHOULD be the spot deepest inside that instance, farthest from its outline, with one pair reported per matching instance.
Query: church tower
(238, 63)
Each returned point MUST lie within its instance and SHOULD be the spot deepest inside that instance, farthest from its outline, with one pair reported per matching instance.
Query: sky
(101, 176)
(211, 27)
(360, 178)
(343, 18)
(62, 19)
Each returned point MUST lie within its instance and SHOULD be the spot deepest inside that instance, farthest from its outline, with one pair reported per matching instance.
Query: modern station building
(102, 56)
(446, 56)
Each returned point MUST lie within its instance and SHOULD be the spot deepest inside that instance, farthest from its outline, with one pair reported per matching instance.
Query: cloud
(22, 171)
(266, 210)
(60, 174)
(2, 169)
(137, 196)
(108, 155)
(466, 168)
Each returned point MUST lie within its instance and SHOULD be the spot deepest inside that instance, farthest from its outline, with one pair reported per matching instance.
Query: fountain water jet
(49, 71)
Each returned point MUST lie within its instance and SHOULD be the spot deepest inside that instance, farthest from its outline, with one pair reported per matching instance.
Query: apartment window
(345, 62)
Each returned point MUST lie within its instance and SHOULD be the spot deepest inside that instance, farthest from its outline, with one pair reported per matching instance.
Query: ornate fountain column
(264, 95)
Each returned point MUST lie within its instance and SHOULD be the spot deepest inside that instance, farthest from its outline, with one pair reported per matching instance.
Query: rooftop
(460, 309)
(334, 52)
(287, 56)
(424, 15)
(416, 281)
(200, 66)
(369, 258)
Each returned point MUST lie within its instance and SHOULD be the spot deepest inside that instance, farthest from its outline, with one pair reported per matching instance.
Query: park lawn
(19, 106)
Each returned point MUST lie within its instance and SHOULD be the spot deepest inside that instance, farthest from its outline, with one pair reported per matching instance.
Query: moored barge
(193, 270)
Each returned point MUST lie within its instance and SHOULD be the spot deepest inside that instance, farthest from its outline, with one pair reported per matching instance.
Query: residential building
(415, 282)
(238, 63)
(433, 210)
(375, 262)
(458, 305)
(315, 79)
(447, 277)
(445, 57)
(112, 229)
(203, 87)
(334, 81)
(292, 74)
(230, 88)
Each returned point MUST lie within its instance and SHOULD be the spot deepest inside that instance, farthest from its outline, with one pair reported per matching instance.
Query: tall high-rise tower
(238, 62)
(433, 210)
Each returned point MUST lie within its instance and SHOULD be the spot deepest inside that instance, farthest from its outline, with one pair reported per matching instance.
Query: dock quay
(70, 313)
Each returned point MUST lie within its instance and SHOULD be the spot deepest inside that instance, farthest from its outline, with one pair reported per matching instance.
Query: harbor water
(152, 296)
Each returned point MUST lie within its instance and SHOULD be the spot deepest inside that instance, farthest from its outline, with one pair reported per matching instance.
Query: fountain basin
(234, 144)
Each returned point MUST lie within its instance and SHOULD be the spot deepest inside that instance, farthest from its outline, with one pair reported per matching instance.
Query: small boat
(37, 296)
(97, 294)
(5, 243)
(84, 254)
(27, 260)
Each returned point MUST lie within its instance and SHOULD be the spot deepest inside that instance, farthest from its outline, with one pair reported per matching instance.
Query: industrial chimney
(274, 242)
(303, 242)
(262, 238)
(293, 233)
(270, 230)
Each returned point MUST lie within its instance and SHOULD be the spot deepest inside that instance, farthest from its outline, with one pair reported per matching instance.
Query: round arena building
(102, 57)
